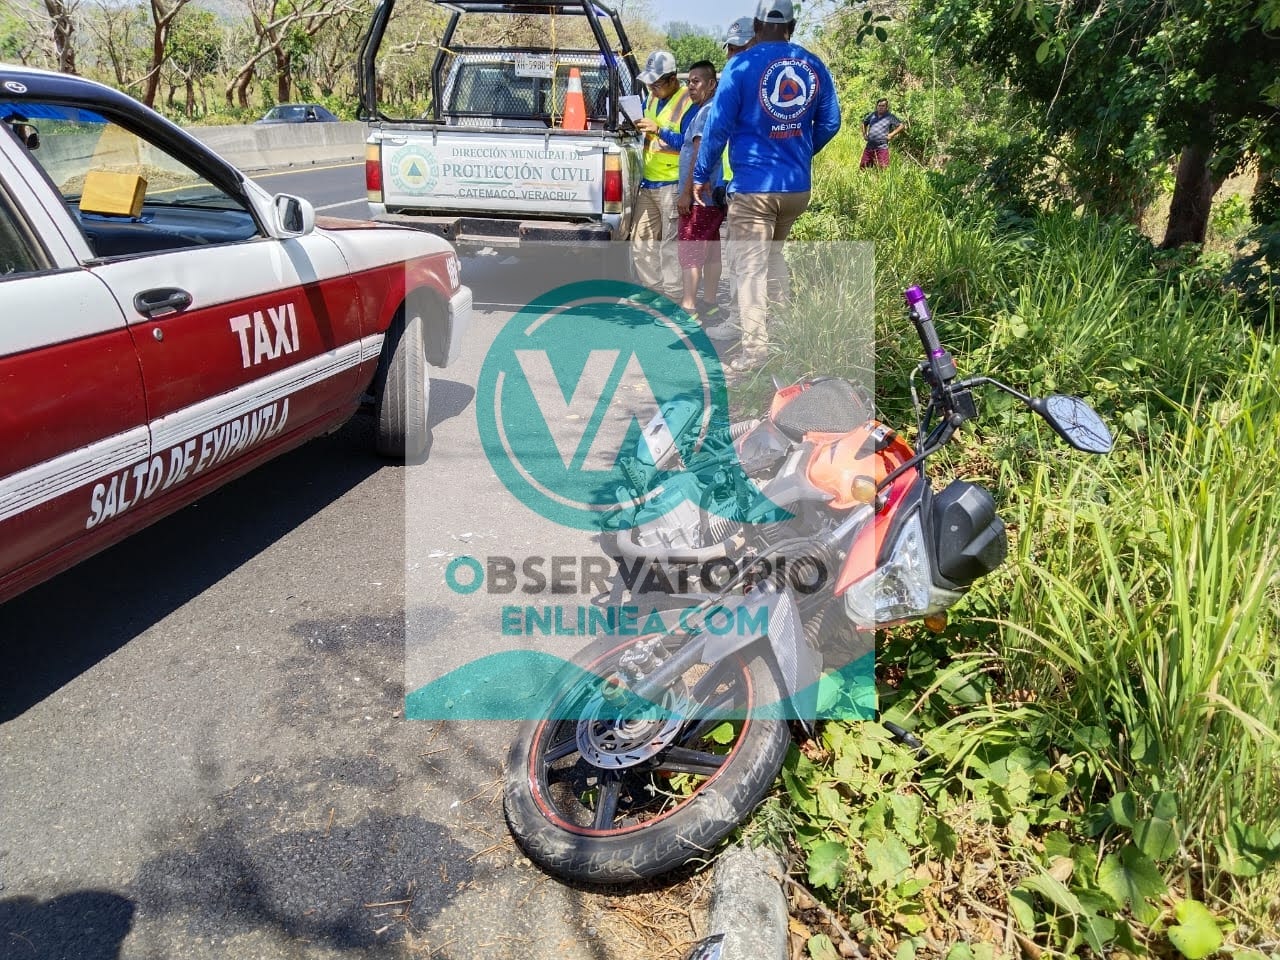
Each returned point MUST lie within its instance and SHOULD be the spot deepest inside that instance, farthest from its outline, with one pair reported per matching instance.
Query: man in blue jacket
(776, 107)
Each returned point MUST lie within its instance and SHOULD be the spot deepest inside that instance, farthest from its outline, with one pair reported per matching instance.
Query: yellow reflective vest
(661, 163)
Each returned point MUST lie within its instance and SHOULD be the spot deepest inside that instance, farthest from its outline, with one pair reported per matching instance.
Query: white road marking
(344, 203)
(293, 171)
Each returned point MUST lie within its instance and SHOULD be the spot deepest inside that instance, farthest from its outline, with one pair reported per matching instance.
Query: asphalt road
(335, 191)
(202, 752)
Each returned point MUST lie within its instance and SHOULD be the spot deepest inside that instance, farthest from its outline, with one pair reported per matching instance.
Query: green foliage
(193, 41)
(13, 36)
(690, 47)
(1121, 87)
(1254, 271)
(955, 116)
(1102, 720)
(872, 25)
(1196, 934)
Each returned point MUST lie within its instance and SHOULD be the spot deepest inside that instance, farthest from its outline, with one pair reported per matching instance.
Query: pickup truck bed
(493, 164)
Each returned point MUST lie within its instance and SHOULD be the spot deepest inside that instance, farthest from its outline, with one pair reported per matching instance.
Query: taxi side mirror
(295, 217)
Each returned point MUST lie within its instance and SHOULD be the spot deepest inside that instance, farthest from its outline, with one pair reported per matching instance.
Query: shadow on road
(305, 851)
(87, 925)
(58, 630)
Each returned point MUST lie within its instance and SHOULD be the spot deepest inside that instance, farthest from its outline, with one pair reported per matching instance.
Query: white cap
(776, 11)
(659, 64)
(740, 32)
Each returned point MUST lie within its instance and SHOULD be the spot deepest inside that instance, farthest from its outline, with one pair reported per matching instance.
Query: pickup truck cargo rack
(367, 87)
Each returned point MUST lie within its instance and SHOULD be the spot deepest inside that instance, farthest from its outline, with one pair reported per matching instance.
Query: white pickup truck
(490, 164)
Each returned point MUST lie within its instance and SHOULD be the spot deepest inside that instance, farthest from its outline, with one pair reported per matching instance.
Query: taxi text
(135, 484)
(274, 334)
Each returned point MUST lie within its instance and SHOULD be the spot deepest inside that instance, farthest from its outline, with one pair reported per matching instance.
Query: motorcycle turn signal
(863, 490)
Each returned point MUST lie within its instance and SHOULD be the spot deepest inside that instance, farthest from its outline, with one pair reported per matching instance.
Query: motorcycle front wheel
(605, 798)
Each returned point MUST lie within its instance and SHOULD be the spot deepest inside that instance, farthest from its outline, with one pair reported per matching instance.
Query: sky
(715, 14)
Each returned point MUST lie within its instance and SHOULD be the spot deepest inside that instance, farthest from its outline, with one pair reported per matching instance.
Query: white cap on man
(740, 32)
(661, 63)
(776, 11)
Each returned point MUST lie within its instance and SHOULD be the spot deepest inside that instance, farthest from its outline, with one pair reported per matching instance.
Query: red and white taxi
(166, 325)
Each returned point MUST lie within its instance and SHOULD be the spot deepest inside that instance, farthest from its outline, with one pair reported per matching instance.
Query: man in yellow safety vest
(667, 116)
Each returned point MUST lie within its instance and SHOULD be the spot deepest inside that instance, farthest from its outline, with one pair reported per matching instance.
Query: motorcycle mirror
(1075, 422)
(712, 948)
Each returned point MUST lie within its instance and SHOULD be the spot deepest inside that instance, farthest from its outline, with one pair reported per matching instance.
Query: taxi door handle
(161, 301)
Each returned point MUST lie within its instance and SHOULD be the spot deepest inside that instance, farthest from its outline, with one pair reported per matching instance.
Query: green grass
(1142, 605)
(1106, 708)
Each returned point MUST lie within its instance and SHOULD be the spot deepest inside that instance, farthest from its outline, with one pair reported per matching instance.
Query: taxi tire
(401, 428)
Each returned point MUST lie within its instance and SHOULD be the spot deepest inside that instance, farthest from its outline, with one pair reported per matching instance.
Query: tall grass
(1142, 606)
(1142, 603)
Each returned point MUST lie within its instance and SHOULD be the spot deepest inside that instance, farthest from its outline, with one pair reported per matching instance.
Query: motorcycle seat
(830, 405)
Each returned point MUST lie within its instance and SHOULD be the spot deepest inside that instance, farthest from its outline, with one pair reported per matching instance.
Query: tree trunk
(1266, 170)
(238, 88)
(191, 98)
(1193, 191)
(284, 82)
(158, 39)
(64, 28)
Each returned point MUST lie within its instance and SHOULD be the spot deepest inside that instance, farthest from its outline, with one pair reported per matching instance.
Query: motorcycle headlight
(902, 588)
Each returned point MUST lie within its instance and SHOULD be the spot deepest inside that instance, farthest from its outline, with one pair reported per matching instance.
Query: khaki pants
(758, 225)
(729, 265)
(654, 240)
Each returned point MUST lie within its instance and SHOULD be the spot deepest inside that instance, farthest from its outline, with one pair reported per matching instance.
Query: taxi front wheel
(402, 390)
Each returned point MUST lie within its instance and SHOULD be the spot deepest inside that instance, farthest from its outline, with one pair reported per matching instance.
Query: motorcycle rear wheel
(583, 822)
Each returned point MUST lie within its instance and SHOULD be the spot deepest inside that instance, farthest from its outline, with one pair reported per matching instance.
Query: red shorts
(877, 155)
(700, 236)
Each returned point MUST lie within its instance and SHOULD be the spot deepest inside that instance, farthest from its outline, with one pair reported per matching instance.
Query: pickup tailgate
(529, 175)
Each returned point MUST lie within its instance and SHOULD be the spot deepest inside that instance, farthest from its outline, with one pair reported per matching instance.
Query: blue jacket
(776, 107)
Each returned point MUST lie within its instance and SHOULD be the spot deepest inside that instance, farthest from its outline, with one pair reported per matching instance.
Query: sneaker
(746, 362)
(642, 297)
(710, 313)
(681, 318)
(725, 331)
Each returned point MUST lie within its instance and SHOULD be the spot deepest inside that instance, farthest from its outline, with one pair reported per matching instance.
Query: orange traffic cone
(575, 107)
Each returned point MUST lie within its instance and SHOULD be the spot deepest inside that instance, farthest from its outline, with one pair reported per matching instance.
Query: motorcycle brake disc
(611, 738)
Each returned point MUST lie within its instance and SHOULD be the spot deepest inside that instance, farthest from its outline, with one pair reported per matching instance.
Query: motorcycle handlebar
(939, 360)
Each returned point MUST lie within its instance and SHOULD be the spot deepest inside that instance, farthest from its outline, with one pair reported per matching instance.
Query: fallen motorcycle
(808, 530)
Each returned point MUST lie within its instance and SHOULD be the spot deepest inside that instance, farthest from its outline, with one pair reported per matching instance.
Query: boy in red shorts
(699, 249)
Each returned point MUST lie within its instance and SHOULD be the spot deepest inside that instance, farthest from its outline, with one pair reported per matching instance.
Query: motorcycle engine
(677, 530)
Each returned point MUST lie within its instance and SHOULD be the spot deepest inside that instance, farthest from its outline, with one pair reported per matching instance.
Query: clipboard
(632, 107)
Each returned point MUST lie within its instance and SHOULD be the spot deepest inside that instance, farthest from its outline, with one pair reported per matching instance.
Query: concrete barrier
(270, 145)
(65, 156)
